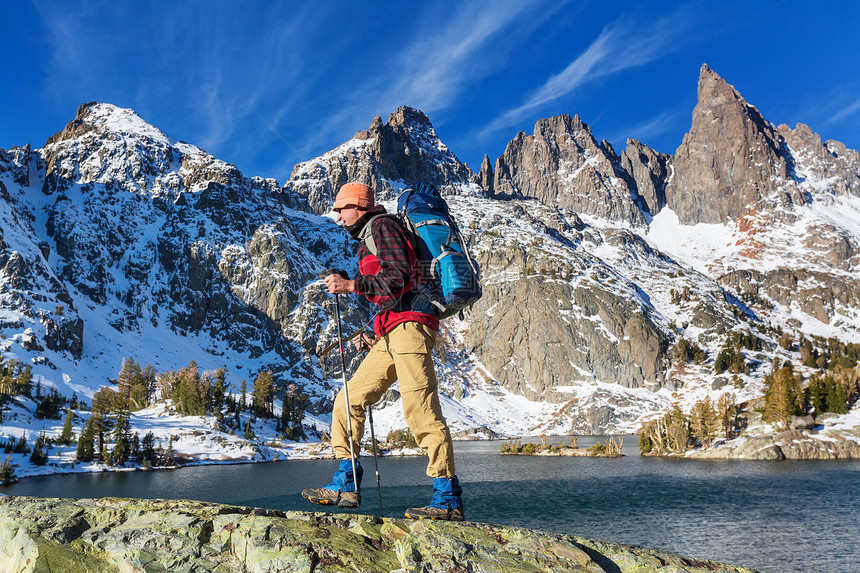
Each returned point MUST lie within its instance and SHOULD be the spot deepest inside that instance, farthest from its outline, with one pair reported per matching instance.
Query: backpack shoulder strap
(366, 234)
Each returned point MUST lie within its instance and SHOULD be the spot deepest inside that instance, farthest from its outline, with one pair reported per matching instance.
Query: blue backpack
(454, 275)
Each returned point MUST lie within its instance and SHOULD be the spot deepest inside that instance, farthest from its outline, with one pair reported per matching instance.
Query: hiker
(400, 350)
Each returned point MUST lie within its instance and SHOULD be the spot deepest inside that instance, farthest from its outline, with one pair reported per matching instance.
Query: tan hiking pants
(404, 354)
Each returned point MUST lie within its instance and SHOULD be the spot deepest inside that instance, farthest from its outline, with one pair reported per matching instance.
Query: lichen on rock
(113, 534)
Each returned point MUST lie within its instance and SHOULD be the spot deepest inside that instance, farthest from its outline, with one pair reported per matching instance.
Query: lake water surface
(778, 517)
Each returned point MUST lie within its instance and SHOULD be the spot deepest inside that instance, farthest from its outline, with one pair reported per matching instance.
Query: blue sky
(266, 85)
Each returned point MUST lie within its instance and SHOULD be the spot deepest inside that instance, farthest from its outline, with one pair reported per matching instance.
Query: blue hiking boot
(447, 502)
(341, 491)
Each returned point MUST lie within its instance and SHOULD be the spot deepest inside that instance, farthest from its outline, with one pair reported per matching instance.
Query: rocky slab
(113, 534)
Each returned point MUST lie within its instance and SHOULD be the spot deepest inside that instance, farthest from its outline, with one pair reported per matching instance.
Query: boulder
(794, 444)
(801, 422)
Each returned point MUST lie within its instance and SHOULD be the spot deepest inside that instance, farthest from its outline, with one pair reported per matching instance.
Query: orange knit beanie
(357, 194)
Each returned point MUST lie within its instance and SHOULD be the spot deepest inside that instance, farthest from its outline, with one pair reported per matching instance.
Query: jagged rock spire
(400, 151)
(730, 161)
(650, 171)
(562, 164)
(485, 177)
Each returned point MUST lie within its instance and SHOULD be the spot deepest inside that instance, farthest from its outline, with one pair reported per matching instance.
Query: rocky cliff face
(830, 161)
(650, 171)
(787, 198)
(28, 284)
(485, 177)
(388, 156)
(730, 162)
(562, 164)
(135, 535)
(590, 334)
(554, 315)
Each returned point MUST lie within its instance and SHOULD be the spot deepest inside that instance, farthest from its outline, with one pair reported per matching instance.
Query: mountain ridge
(140, 237)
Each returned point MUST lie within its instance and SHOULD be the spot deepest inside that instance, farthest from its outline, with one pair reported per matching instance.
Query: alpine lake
(778, 517)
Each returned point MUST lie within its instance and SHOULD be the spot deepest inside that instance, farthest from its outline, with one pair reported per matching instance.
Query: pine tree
(169, 455)
(677, 431)
(289, 405)
(815, 395)
(286, 416)
(135, 386)
(645, 443)
(653, 437)
(49, 406)
(126, 379)
(782, 396)
(66, 436)
(122, 439)
(205, 388)
(703, 422)
(191, 394)
(249, 431)
(104, 401)
(849, 378)
(707, 426)
(242, 402)
(7, 382)
(264, 393)
(39, 457)
(148, 379)
(147, 449)
(727, 411)
(101, 425)
(7, 472)
(219, 390)
(86, 447)
(25, 381)
(166, 383)
(134, 455)
(837, 396)
(21, 446)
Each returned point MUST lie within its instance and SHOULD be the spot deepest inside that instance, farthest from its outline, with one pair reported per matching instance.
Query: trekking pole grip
(340, 272)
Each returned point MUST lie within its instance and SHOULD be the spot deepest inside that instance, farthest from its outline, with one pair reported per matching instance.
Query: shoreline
(578, 453)
(91, 468)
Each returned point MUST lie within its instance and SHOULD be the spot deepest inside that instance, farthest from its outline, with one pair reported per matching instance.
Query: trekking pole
(343, 375)
(375, 459)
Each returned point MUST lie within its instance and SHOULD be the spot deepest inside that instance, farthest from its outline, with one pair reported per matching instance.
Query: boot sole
(328, 501)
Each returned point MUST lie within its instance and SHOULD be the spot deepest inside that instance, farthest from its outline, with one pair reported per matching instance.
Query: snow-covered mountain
(118, 241)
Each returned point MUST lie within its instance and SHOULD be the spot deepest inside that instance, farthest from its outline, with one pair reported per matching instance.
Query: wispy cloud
(845, 112)
(432, 72)
(214, 70)
(624, 44)
(466, 46)
(658, 125)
